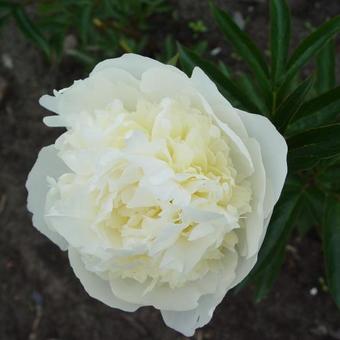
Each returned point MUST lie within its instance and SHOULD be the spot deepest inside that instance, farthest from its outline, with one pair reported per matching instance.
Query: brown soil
(40, 297)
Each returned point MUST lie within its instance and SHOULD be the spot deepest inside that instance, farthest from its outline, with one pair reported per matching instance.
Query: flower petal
(273, 150)
(188, 321)
(245, 265)
(221, 107)
(48, 164)
(132, 63)
(95, 286)
(163, 297)
(253, 229)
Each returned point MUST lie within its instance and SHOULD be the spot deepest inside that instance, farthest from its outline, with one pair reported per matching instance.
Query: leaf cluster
(306, 111)
(100, 28)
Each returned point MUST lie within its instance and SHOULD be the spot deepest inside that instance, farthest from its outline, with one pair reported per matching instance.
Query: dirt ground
(40, 297)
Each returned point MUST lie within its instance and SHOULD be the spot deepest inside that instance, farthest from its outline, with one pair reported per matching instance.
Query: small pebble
(239, 20)
(216, 51)
(37, 298)
(313, 291)
(70, 42)
(7, 61)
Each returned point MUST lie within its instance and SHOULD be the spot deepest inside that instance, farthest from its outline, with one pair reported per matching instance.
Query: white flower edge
(274, 156)
(273, 151)
(47, 164)
(95, 286)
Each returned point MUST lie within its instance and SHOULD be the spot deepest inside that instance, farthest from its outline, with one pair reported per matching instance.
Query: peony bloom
(160, 190)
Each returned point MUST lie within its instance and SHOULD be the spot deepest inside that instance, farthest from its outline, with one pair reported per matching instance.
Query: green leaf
(30, 30)
(325, 67)
(85, 22)
(331, 246)
(82, 57)
(190, 59)
(280, 36)
(311, 46)
(307, 148)
(244, 46)
(305, 220)
(313, 121)
(315, 199)
(249, 89)
(266, 278)
(281, 221)
(316, 136)
(312, 209)
(6, 5)
(329, 177)
(272, 252)
(173, 61)
(3, 19)
(224, 68)
(327, 100)
(286, 111)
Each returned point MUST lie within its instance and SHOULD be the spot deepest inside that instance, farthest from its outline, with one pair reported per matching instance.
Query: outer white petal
(93, 93)
(245, 265)
(162, 297)
(71, 216)
(95, 286)
(133, 63)
(187, 322)
(250, 235)
(221, 106)
(47, 164)
(273, 149)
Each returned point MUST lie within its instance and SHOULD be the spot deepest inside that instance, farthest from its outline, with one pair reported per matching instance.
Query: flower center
(163, 196)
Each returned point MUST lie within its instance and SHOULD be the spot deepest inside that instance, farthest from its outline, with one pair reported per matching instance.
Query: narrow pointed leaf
(310, 46)
(173, 61)
(316, 136)
(322, 118)
(85, 22)
(312, 209)
(30, 30)
(266, 277)
(281, 221)
(271, 254)
(308, 148)
(6, 5)
(325, 67)
(329, 177)
(331, 247)
(286, 111)
(243, 45)
(249, 89)
(190, 59)
(280, 36)
(328, 100)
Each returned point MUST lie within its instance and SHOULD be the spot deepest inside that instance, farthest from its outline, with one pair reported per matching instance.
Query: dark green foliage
(306, 111)
(331, 238)
(101, 29)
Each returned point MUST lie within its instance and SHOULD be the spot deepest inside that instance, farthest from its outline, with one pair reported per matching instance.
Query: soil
(41, 298)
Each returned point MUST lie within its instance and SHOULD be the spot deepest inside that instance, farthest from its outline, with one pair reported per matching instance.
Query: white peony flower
(159, 189)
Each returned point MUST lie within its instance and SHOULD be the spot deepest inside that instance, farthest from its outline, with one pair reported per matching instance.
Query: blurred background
(45, 45)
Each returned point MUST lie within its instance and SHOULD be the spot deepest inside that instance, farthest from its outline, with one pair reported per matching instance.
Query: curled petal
(95, 286)
(48, 164)
(274, 153)
(132, 63)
